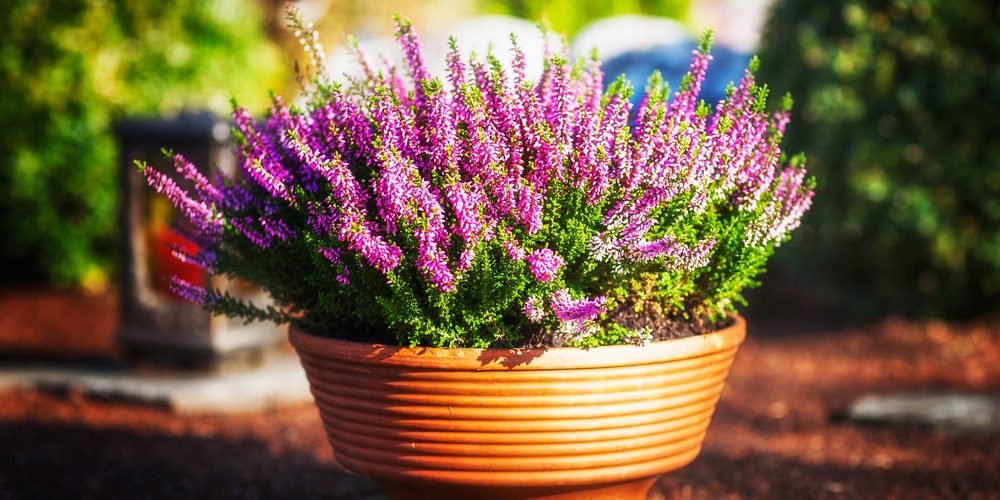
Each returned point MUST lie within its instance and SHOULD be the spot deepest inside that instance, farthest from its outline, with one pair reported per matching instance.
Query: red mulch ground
(777, 432)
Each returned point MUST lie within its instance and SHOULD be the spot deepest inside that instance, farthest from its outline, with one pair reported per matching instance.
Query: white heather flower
(639, 337)
(533, 309)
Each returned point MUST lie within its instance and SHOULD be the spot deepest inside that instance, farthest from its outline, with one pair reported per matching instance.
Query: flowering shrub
(480, 209)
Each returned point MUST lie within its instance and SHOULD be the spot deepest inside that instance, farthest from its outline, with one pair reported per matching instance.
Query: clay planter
(533, 423)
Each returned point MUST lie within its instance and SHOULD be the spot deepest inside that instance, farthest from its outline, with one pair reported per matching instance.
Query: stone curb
(945, 411)
(279, 382)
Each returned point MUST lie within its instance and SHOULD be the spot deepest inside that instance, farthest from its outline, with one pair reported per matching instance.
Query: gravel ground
(779, 430)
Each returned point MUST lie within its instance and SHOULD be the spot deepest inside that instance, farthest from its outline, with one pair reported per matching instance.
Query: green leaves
(705, 43)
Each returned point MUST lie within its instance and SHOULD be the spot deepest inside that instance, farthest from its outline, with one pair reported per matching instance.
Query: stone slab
(946, 411)
(280, 381)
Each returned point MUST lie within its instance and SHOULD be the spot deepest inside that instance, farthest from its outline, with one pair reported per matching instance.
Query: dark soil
(778, 431)
(665, 327)
(660, 327)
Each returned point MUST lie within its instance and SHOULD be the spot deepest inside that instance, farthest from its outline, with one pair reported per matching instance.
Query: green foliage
(898, 101)
(67, 69)
(571, 15)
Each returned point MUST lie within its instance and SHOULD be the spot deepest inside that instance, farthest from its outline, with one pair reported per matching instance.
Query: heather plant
(481, 208)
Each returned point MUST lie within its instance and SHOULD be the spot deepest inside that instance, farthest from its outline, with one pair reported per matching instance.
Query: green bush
(571, 15)
(897, 114)
(67, 69)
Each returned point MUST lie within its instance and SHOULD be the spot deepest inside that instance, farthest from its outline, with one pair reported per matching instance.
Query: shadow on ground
(111, 463)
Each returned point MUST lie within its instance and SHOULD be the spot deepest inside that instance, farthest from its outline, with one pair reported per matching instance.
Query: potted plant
(501, 287)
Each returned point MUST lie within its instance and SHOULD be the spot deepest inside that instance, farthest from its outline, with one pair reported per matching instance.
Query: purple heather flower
(235, 195)
(529, 208)
(576, 316)
(344, 277)
(514, 250)
(625, 232)
(203, 259)
(193, 293)
(465, 206)
(392, 191)
(519, 63)
(685, 102)
(544, 264)
(206, 191)
(566, 308)
(410, 42)
(431, 259)
(248, 227)
(456, 66)
(361, 57)
(350, 228)
(681, 256)
(754, 180)
(791, 199)
(261, 160)
(465, 259)
(439, 139)
(276, 228)
(346, 128)
(377, 252)
(334, 255)
(201, 216)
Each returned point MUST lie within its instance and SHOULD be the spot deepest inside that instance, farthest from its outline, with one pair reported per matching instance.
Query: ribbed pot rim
(541, 358)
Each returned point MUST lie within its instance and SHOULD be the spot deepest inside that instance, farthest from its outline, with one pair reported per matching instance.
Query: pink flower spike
(344, 277)
(465, 259)
(514, 251)
(544, 264)
(566, 308)
(191, 292)
(203, 259)
(576, 316)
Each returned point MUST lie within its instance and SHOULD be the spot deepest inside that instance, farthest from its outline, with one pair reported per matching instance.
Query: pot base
(629, 490)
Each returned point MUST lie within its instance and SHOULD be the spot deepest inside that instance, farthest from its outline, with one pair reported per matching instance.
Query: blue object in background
(726, 66)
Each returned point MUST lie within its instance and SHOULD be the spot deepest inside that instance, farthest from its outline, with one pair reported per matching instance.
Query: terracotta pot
(531, 423)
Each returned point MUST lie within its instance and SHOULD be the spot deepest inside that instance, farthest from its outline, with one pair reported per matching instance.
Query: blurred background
(895, 109)
(896, 105)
